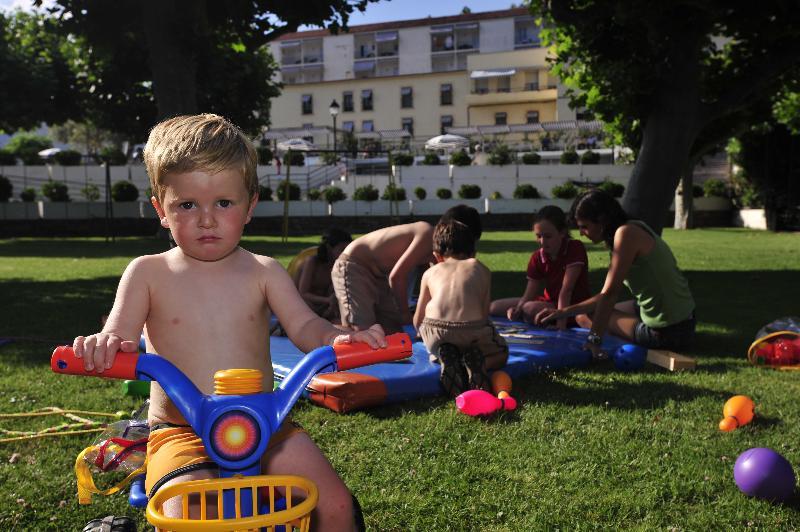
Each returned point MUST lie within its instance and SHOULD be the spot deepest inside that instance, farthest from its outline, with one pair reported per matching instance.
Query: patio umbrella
(447, 142)
(49, 152)
(295, 145)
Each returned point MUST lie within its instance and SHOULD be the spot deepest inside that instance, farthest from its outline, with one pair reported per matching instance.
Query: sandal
(453, 375)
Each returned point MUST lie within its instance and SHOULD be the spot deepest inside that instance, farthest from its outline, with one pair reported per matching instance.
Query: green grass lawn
(588, 447)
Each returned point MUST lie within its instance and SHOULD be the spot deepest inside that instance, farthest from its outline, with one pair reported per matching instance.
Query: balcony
(510, 95)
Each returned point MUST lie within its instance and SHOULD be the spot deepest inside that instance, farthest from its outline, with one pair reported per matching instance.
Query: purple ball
(630, 357)
(762, 473)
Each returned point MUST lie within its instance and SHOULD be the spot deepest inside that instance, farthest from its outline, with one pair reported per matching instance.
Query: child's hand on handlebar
(374, 336)
(99, 350)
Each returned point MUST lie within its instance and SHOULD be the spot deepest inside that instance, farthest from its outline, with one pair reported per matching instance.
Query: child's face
(591, 230)
(549, 238)
(206, 213)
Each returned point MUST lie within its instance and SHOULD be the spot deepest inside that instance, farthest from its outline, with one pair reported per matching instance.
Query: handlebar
(259, 414)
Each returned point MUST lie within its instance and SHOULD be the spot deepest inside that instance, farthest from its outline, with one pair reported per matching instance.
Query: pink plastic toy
(482, 403)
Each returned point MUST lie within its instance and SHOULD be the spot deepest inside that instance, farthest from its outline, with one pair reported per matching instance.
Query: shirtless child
(453, 312)
(206, 303)
(370, 277)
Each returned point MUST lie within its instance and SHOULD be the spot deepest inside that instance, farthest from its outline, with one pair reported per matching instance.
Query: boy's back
(459, 290)
(383, 249)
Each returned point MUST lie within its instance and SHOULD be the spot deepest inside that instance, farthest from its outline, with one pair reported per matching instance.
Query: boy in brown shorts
(452, 315)
(370, 277)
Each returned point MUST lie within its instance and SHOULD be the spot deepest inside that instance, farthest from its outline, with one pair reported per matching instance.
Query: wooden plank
(669, 360)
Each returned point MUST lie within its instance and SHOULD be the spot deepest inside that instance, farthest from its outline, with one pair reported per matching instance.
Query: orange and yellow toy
(737, 412)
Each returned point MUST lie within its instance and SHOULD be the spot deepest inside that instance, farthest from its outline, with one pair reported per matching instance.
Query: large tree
(145, 60)
(36, 83)
(674, 78)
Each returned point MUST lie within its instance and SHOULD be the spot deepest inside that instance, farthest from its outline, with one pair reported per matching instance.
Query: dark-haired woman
(661, 316)
(314, 276)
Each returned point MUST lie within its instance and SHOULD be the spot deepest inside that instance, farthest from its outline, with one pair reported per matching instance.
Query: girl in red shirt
(557, 272)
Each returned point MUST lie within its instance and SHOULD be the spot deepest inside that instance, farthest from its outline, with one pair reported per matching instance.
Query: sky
(382, 11)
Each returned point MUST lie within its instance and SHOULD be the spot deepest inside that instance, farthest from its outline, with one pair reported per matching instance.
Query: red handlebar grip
(349, 356)
(64, 361)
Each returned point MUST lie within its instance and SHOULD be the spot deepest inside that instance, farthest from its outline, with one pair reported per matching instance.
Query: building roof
(399, 24)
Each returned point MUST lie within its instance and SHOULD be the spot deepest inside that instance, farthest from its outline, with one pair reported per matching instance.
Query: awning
(394, 133)
(492, 73)
(560, 125)
(467, 26)
(385, 36)
(364, 66)
(368, 135)
(463, 131)
(493, 130)
(591, 125)
(442, 29)
(526, 128)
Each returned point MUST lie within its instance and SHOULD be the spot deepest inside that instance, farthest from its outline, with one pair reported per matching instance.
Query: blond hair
(205, 142)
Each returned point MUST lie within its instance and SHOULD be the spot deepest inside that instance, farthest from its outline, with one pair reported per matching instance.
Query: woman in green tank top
(661, 316)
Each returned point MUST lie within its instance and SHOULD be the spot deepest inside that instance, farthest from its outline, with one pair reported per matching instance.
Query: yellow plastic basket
(300, 493)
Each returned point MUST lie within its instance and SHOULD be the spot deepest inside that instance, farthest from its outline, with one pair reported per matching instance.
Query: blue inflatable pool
(531, 349)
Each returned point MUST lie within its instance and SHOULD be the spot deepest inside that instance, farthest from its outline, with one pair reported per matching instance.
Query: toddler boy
(206, 303)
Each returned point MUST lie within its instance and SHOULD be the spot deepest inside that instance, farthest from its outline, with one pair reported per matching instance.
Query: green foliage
(294, 191)
(26, 146)
(393, 193)
(28, 195)
(264, 155)
(614, 189)
(469, 192)
(496, 195)
(124, 191)
(431, 159)
(566, 191)
(112, 156)
(334, 194)
(91, 192)
(500, 156)
(460, 158)
(526, 191)
(6, 189)
(366, 193)
(531, 158)
(55, 191)
(297, 158)
(444, 193)
(402, 159)
(569, 156)
(7, 158)
(314, 194)
(590, 157)
(715, 188)
(786, 110)
(264, 193)
(68, 158)
(330, 158)
(697, 191)
(420, 193)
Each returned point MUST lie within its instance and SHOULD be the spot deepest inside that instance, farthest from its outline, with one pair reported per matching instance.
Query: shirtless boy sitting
(206, 303)
(453, 312)
(370, 278)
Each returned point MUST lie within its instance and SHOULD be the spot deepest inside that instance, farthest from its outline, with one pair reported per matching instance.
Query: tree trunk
(170, 27)
(684, 200)
(666, 143)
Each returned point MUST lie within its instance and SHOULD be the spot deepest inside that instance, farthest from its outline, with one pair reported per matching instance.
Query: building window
(500, 119)
(408, 125)
(406, 97)
(366, 100)
(481, 86)
(446, 122)
(504, 84)
(347, 102)
(532, 117)
(308, 104)
(367, 126)
(348, 126)
(446, 94)
(309, 138)
(441, 38)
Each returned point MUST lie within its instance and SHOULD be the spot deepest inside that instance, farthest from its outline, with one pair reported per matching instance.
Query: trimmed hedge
(570, 157)
(590, 157)
(264, 193)
(469, 192)
(402, 159)
(124, 191)
(55, 191)
(526, 191)
(431, 159)
(68, 158)
(460, 158)
(294, 191)
(334, 194)
(614, 189)
(531, 158)
(500, 156)
(420, 193)
(566, 191)
(394, 193)
(444, 193)
(366, 193)
(28, 195)
(6, 189)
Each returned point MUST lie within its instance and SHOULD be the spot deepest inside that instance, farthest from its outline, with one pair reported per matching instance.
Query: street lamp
(334, 110)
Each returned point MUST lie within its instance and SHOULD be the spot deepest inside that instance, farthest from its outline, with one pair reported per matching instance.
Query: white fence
(501, 179)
